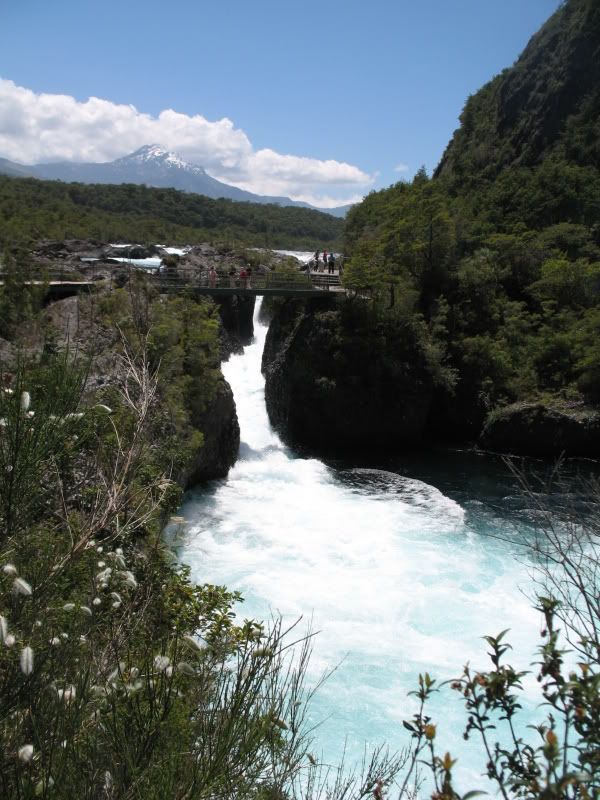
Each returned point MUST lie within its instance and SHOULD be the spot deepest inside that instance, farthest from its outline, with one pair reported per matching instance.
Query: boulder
(537, 429)
(335, 381)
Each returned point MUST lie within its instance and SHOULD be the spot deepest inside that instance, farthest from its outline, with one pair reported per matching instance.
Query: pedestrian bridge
(271, 283)
(314, 284)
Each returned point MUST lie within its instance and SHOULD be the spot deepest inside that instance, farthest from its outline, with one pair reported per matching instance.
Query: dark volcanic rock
(534, 429)
(221, 440)
(335, 380)
(237, 327)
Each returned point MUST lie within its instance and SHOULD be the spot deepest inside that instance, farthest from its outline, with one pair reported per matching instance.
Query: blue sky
(368, 85)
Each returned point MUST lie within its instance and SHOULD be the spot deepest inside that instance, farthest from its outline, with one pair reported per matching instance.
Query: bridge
(272, 284)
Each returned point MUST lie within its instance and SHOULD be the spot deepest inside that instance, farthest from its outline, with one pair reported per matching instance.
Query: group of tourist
(326, 260)
(244, 277)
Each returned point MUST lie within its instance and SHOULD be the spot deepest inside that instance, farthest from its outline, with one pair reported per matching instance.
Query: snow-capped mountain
(151, 165)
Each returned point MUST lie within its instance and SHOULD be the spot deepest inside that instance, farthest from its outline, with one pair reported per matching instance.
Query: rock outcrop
(221, 440)
(335, 381)
(237, 326)
(535, 429)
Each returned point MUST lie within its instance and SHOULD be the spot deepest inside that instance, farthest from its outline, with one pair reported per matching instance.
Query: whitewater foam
(393, 572)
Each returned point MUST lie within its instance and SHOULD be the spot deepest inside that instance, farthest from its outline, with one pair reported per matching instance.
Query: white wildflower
(67, 695)
(55, 641)
(25, 401)
(83, 639)
(101, 564)
(133, 673)
(116, 672)
(31, 414)
(26, 753)
(21, 586)
(103, 576)
(119, 551)
(169, 672)
(129, 579)
(10, 569)
(8, 391)
(100, 549)
(185, 668)
(64, 636)
(161, 663)
(10, 640)
(68, 606)
(116, 604)
(96, 601)
(116, 596)
(27, 661)
(3, 422)
(37, 623)
(194, 642)
(91, 543)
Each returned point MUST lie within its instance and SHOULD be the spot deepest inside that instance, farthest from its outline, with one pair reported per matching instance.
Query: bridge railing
(257, 281)
(179, 281)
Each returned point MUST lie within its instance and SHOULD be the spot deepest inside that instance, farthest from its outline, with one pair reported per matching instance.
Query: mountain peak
(159, 155)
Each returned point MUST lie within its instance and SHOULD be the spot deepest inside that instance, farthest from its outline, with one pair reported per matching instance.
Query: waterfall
(398, 577)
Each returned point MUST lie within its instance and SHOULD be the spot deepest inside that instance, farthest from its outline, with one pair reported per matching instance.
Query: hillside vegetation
(499, 253)
(31, 209)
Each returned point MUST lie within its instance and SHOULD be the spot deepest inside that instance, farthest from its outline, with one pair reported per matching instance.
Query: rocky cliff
(547, 103)
(333, 380)
(221, 440)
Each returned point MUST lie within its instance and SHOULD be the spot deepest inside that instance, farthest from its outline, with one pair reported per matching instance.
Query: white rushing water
(395, 577)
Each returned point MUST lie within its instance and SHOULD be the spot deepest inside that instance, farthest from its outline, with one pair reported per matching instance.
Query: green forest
(499, 252)
(31, 210)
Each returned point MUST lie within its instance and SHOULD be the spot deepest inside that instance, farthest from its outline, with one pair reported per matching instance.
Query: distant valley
(151, 165)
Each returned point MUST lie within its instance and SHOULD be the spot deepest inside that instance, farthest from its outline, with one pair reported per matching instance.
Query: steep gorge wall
(335, 381)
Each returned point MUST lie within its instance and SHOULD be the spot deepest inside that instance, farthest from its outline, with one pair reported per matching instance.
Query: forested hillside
(499, 253)
(33, 209)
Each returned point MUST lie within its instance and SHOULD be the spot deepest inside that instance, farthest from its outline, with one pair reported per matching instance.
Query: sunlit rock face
(335, 381)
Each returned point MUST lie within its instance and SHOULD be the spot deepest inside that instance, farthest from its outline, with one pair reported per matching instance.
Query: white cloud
(50, 127)
(401, 168)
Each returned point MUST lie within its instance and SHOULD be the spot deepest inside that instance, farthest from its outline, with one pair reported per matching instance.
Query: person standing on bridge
(232, 277)
(212, 278)
(324, 260)
(243, 278)
(331, 263)
(317, 256)
(249, 278)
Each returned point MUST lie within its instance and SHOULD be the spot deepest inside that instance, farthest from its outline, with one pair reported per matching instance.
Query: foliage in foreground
(119, 678)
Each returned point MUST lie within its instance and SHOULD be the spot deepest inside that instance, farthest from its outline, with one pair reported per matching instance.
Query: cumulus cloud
(38, 128)
(401, 168)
